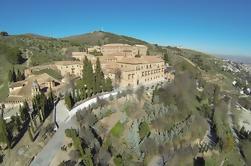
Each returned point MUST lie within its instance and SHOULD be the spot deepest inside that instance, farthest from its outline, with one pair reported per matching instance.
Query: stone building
(79, 55)
(133, 71)
(34, 84)
(93, 49)
(118, 63)
(140, 49)
(70, 68)
(145, 70)
(34, 69)
(126, 50)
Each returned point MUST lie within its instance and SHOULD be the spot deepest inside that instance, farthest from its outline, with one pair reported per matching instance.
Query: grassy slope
(4, 67)
(40, 50)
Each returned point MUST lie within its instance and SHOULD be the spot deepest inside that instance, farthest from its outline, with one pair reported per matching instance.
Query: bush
(118, 160)
(143, 130)
(69, 101)
(117, 130)
(71, 133)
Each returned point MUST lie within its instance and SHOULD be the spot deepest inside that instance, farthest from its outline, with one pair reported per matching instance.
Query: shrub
(117, 130)
(143, 130)
(71, 133)
(118, 160)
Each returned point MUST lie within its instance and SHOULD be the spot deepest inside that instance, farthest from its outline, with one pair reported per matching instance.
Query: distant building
(123, 50)
(93, 49)
(70, 68)
(79, 55)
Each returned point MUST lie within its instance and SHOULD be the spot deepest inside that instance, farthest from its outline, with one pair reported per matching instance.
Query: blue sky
(213, 26)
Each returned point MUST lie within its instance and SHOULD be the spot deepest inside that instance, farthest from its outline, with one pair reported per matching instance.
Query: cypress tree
(99, 77)
(166, 59)
(73, 94)
(24, 111)
(4, 136)
(10, 76)
(51, 99)
(77, 95)
(108, 84)
(23, 76)
(83, 93)
(69, 101)
(88, 76)
(19, 75)
(14, 76)
(91, 80)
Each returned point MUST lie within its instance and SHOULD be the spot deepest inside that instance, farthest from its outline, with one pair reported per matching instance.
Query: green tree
(51, 99)
(88, 76)
(16, 122)
(14, 76)
(19, 75)
(108, 84)
(24, 111)
(69, 101)
(99, 77)
(143, 130)
(10, 76)
(77, 95)
(4, 136)
(166, 58)
(88, 157)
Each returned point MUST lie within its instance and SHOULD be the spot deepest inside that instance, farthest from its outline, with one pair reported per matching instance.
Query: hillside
(37, 49)
(100, 38)
(34, 49)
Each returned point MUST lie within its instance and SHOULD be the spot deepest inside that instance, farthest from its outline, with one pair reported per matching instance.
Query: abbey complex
(125, 65)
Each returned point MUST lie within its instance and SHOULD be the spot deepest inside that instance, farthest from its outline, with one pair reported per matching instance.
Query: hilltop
(100, 38)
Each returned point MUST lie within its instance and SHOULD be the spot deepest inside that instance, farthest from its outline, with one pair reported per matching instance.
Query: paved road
(48, 152)
(62, 112)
